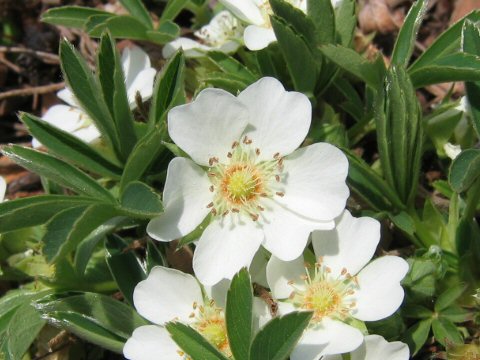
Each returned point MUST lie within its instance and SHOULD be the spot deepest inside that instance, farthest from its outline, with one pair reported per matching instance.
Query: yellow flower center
(240, 184)
(325, 295)
(210, 322)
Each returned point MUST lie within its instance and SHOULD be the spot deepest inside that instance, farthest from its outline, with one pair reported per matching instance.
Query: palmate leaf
(323, 17)
(465, 170)
(72, 16)
(471, 45)
(138, 11)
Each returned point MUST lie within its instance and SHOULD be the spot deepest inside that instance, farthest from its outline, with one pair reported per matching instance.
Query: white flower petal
(284, 308)
(3, 188)
(380, 293)
(67, 96)
(167, 294)
(281, 274)
(286, 234)
(315, 182)
(185, 199)
(64, 117)
(350, 245)
(143, 83)
(148, 341)
(208, 126)
(223, 249)
(376, 347)
(134, 61)
(279, 119)
(258, 37)
(327, 338)
(245, 10)
(261, 314)
(258, 267)
(229, 47)
(88, 134)
(191, 48)
(218, 292)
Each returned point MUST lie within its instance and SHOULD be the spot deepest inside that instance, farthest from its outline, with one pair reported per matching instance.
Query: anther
(214, 211)
(264, 194)
(212, 174)
(277, 178)
(211, 188)
(344, 271)
(210, 205)
(280, 193)
(260, 208)
(194, 305)
(254, 217)
(226, 213)
(276, 155)
(257, 151)
(212, 302)
(229, 155)
(235, 210)
(181, 353)
(192, 315)
(235, 144)
(328, 270)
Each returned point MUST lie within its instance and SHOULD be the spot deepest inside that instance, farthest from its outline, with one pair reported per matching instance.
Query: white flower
(375, 347)
(342, 286)
(3, 188)
(451, 150)
(245, 174)
(259, 33)
(222, 34)
(139, 77)
(170, 295)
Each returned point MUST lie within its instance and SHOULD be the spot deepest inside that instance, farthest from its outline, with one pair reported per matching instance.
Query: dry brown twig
(46, 57)
(36, 90)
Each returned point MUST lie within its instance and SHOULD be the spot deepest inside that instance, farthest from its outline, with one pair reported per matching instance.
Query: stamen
(235, 144)
(210, 205)
(257, 151)
(280, 193)
(211, 188)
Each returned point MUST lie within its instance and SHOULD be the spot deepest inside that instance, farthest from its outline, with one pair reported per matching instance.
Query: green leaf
(446, 332)
(72, 16)
(300, 61)
(194, 344)
(87, 245)
(126, 27)
(66, 146)
(370, 186)
(448, 297)
(84, 86)
(112, 82)
(142, 156)
(154, 257)
(465, 170)
(454, 67)
(86, 329)
(112, 315)
(416, 311)
(69, 227)
(228, 82)
(58, 171)
(447, 43)
(406, 38)
(172, 9)
(230, 65)
(37, 210)
(296, 18)
(125, 266)
(470, 42)
(278, 337)
(322, 15)
(163, 36)
(417, 335)
(345, 21)
(20, 331)
(168, 86)
(141, 199)
(456, 314)
(138, 11)
(353, 63)
(239, 315)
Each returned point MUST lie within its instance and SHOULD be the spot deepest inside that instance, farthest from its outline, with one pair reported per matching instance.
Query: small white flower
(139, 77)
(256, 13)
(222, 34)
(247, 177)
(452, 150)
(375, 347)
(342, 286)
(3, 188)
(170, 295)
